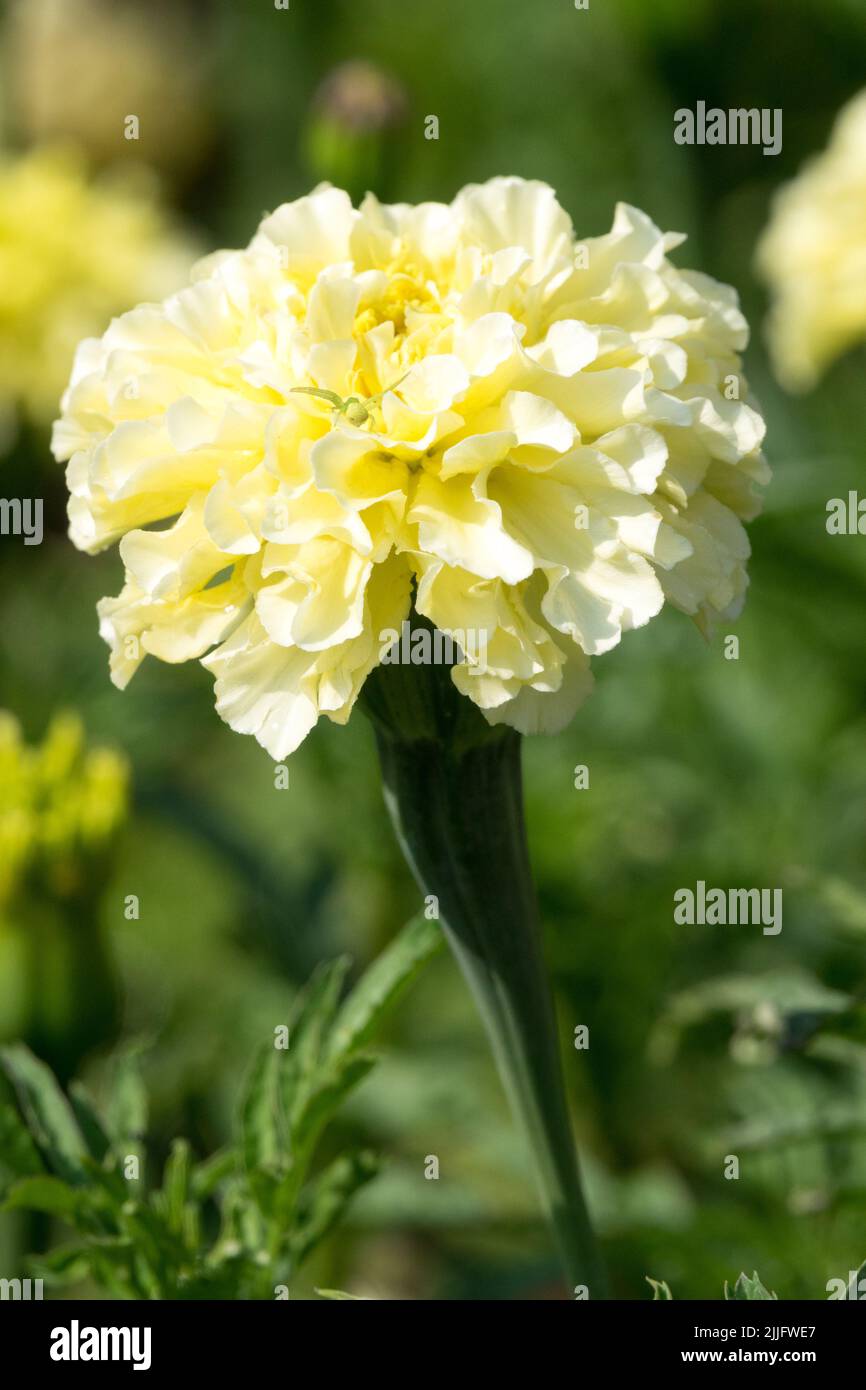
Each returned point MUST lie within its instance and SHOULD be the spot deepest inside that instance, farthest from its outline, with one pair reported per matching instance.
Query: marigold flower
(59, 803)
(553, 438)
(72, 253)
(813, 255)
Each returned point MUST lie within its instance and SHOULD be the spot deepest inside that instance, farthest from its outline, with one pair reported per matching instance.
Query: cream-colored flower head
(567, 444)
(813, 255)
(73, 251)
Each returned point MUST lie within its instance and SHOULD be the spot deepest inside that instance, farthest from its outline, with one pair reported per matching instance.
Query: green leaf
(382, 983)
(175, 1186)
(112, 1264)
(89, 1121)
(157, 1249)
(326, 1200)
(19, 1155)
(47, 1112)
(111, 1183)
(126, 1111)
(137, 1246)
(315, 1012)
(316, 1009)
(767, 999)
(327, 1096)
(746, 1288)
(338, 1295)
(848, 1023)
(260, 1136)
(660, 1288)
(46, 1194)
(65, 1264)
(208, 1175)
(230, 1238)
(190, 1231)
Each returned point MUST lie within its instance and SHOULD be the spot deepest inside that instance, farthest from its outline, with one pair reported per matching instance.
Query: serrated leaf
(746, 1288)
(660, 1288)
(326, 1199)
(300, 1064)
(46, 1194)
(382, 983)
(316, 1009)
(260, 1134)
(326, 1097)
(47, 1112)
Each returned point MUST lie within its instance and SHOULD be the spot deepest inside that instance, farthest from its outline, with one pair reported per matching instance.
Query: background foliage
(703, 1041)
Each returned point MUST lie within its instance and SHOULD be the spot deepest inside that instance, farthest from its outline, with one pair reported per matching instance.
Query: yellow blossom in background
(549, 439)
(813, 255)
(75, 69)
(60, 803)
(73, 252)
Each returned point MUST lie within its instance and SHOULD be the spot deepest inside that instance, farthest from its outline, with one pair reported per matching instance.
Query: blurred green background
(704, 1042)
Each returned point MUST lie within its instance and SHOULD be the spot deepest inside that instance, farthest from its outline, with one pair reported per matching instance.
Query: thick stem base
(455, 797)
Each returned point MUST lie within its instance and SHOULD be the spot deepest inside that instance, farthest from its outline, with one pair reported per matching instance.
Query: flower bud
(355, 115)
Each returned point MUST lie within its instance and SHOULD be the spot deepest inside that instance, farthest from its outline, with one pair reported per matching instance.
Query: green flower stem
(453, 788)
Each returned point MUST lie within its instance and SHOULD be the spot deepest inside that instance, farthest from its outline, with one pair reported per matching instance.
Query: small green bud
(353, 125)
